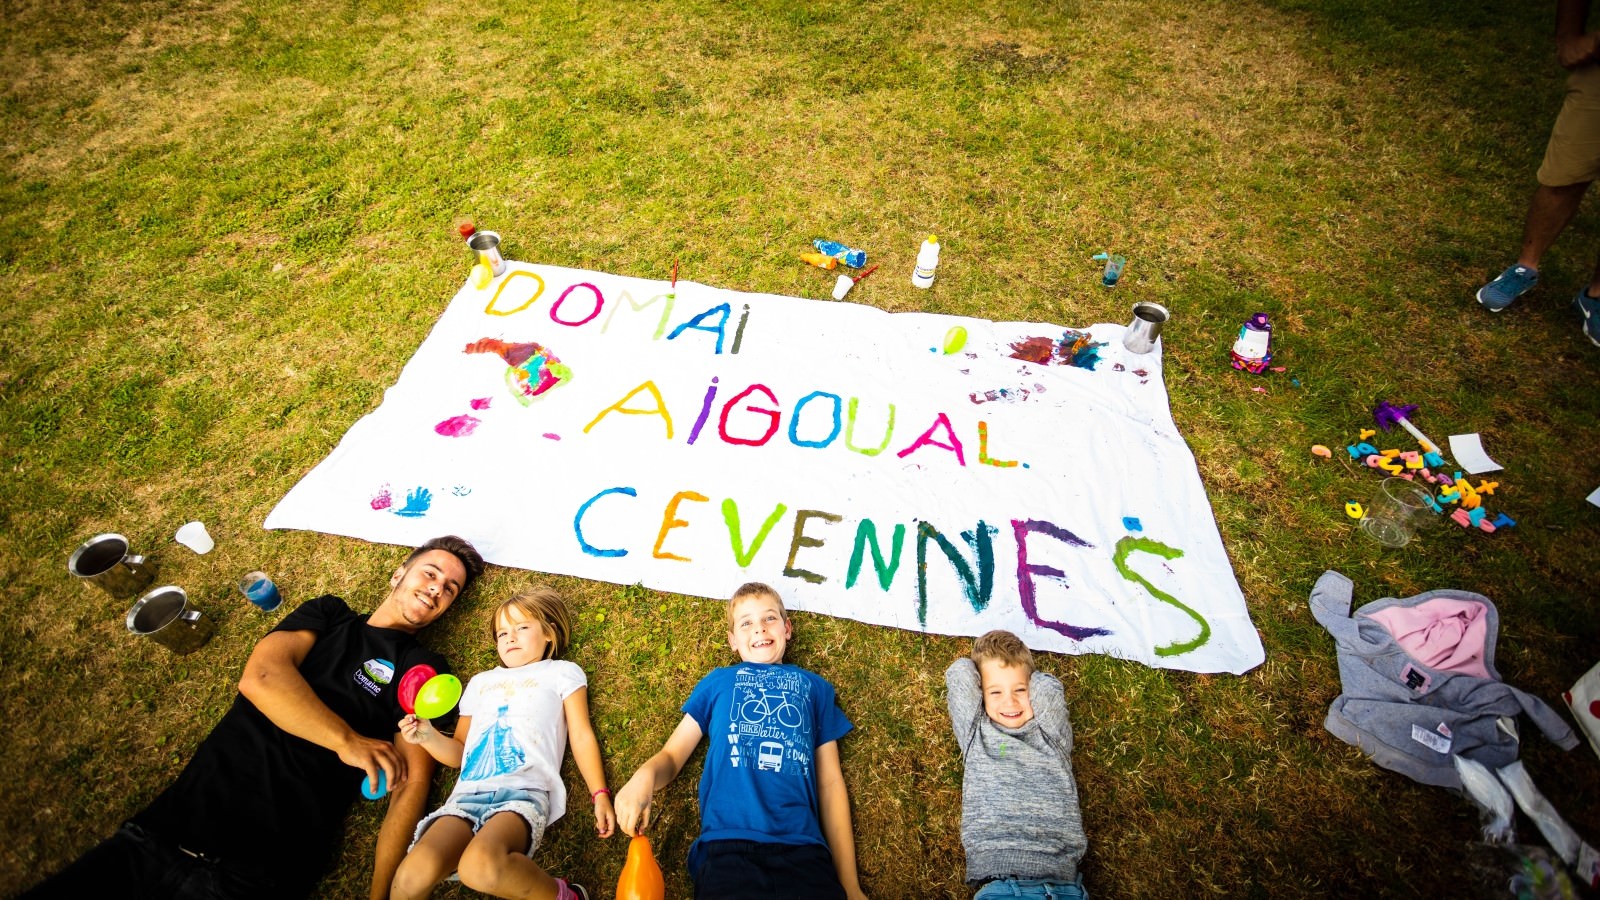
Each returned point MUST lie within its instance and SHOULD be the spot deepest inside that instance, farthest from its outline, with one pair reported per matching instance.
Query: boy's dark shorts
(733, 870)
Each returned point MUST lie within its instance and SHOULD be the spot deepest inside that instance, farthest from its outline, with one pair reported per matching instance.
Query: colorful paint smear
(1079, 349)
(1005, 395)
(457, 426)
(383, 499)
(1034, 350)
(480, 403)
(417, 502)
(998, 394)
(532, 370)
(1074, 348)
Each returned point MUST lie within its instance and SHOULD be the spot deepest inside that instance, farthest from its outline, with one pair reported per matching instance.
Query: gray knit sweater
(1019, 802)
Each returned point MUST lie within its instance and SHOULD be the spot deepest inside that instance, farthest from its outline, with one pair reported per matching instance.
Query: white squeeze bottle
(927, 261)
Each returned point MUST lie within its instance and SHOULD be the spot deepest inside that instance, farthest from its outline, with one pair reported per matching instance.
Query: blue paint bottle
(850, 256)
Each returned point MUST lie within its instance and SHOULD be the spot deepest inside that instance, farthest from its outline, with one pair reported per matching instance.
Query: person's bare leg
(1549, 213)
(434, 857)
(496, 861)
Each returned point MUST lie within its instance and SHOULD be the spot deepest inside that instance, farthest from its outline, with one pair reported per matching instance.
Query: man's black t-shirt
(272, 805)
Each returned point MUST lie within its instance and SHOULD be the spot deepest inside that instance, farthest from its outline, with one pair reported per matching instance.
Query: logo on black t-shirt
(374, 674)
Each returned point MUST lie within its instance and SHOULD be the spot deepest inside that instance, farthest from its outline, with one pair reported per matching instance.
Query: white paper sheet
(1467, 450)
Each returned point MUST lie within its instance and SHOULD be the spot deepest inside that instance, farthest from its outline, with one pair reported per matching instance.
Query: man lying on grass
(257, 812)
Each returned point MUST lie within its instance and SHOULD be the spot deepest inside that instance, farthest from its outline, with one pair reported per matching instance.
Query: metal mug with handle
(165, 616)
(104, 561)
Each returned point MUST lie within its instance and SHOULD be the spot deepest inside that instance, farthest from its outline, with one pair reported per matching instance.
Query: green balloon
(438, 696)
(955, 339)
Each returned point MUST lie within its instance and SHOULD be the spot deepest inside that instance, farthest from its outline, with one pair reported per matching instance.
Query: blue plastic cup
(260, 590)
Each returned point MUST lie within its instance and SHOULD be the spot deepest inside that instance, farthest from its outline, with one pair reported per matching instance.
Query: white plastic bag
(1571, 848)
(1491, 797)
(1584, 701)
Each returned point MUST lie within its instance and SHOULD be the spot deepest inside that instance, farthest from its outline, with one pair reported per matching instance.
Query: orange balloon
(641, 877)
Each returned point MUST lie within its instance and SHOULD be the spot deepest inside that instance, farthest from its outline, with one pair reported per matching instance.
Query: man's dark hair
(461, 549)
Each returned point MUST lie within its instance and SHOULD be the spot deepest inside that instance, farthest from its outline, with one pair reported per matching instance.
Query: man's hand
(1576, 51)
(1574, 48)
(370, 756)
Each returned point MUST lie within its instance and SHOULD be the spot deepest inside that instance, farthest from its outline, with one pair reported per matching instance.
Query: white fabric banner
(936, 473)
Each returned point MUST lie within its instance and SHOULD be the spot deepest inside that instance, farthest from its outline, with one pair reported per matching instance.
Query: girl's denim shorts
(477, 808)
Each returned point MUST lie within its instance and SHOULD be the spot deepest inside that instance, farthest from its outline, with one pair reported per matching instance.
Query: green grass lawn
(224, 228)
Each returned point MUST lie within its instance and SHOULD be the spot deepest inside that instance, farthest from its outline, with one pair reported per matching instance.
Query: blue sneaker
(1504, 291)
(1590, 307)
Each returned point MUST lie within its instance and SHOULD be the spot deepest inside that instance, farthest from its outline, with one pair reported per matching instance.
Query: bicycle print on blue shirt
(765, 721)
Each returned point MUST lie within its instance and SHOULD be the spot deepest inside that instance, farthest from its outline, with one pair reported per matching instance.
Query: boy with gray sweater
(1020, 822)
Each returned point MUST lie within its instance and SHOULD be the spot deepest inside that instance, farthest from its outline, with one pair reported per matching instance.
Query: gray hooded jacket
(1409, 717)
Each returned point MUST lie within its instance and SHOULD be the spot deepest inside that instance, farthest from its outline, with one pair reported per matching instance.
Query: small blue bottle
(848, 255)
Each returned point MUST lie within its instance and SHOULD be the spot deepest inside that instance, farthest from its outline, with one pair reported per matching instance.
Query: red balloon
(410, 683)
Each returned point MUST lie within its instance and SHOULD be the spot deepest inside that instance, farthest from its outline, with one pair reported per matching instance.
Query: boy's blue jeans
(1035, 890)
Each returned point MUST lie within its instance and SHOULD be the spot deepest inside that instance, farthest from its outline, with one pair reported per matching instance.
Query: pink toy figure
(1252, 350)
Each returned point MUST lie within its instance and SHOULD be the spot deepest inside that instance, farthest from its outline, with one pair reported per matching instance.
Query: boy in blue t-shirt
(774, 811)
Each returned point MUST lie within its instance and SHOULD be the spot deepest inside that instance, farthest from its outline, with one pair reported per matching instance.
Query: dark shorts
(136, 864)
(735, 870)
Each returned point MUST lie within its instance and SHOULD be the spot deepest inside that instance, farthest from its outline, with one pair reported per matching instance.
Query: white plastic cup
(193, 535)
(843, 286)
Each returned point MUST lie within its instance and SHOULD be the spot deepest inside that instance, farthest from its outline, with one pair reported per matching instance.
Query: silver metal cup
(487, 245)
(165, 616)
(1145, 328)
(104, 561)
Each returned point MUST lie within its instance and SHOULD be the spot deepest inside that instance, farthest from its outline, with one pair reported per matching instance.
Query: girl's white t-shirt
(519, 729)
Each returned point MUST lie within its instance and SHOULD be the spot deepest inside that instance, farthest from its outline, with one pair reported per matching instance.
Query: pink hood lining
(1443, 633)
